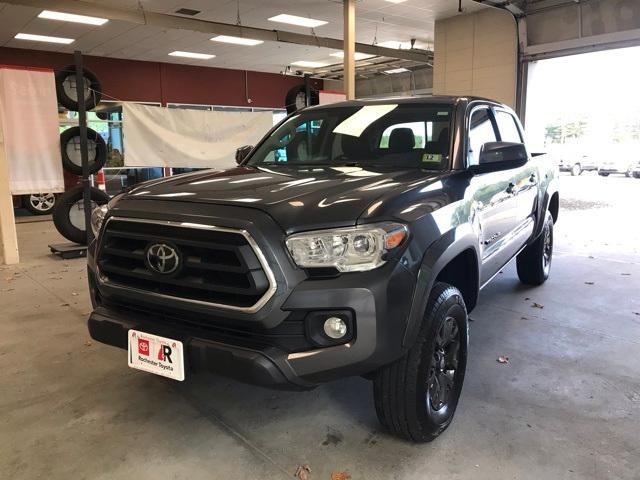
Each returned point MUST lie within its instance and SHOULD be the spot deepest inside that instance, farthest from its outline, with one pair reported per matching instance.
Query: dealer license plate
(155, 354)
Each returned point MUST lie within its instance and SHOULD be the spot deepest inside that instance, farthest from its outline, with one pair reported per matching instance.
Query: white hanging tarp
(29, 130)
(173, 137)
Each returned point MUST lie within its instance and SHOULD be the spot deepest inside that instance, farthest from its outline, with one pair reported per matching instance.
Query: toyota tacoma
(353, 239)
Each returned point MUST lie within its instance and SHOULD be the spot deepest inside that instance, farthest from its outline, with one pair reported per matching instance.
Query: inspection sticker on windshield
(435, 158)
(155, 354)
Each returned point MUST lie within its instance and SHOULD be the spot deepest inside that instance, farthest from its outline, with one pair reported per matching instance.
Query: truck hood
(298, 198)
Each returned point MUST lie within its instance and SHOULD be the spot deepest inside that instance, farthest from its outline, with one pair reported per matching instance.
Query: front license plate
(155, 354)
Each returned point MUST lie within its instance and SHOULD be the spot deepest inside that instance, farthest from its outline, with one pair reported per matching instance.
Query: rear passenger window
(508, 129)
(480, 132)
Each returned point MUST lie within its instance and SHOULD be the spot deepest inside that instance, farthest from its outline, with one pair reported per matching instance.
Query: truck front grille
(199, 263)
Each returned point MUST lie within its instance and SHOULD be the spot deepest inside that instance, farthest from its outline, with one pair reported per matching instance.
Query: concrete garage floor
(566, 406)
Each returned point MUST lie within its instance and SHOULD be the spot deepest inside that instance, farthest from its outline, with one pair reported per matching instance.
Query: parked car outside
(570, 158)
(617, 158)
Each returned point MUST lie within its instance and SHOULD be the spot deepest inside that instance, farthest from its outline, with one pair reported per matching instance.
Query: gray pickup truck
(352, 240)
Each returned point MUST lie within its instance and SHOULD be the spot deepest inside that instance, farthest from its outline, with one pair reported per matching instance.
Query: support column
(349, 74)
(8, 236)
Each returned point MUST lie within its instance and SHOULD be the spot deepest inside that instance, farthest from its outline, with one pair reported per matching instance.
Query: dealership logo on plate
(143, 347)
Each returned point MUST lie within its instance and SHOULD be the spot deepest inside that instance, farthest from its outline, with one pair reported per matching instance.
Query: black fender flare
(552, 188)
(435, 258)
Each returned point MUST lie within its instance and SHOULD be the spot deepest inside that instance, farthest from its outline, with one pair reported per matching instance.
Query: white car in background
(617, 158)
(608, 167)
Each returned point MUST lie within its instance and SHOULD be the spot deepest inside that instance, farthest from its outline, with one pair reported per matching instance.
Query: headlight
(97, 218)
(353, 249)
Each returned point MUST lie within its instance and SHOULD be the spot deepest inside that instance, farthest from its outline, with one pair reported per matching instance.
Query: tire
(534, 262)
(68, 216)
(65, 88)
(295, 99)
(39, 203)
(636, 174)
(603, 174)
(70, 150)
(576, 170)
(404, 396)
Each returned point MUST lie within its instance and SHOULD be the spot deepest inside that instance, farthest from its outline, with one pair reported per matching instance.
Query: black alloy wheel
(442, 372)
(547, 247)
(534, 262)
(416, 396)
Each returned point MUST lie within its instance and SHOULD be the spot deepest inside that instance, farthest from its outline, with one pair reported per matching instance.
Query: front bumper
(378, 300)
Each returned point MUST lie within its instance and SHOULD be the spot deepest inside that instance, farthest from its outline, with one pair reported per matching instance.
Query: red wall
(167, 82)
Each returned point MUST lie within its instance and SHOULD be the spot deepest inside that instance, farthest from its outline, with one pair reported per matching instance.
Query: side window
(480, 132)
(295, 145)
(508, 129)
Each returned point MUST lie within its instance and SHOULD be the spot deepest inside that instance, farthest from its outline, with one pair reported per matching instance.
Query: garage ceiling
(377, 20)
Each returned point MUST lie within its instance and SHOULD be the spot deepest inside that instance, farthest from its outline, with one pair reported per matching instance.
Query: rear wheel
(417, 395)
(534, 262)
(576, 170)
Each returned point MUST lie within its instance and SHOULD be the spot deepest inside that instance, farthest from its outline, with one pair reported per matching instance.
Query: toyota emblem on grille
(162, 258)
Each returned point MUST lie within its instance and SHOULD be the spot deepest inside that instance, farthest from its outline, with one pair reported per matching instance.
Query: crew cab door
(494, 197)
(526, 177)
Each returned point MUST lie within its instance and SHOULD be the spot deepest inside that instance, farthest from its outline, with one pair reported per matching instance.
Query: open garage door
(568, 27)
(584, 110)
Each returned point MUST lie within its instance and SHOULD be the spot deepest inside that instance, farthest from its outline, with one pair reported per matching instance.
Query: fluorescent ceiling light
(396, 1)
(397, 70)
(358, 55)
(295, 20)
(308, 64)
(200, 56)
(43, 38)
(71, 17)
(237, 40)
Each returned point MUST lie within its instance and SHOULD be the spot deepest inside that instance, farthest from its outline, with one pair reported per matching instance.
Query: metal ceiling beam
(146, 17)
(509, 5)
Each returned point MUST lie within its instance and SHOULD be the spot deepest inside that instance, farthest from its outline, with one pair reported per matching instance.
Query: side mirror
(496, 156)
(242, 153)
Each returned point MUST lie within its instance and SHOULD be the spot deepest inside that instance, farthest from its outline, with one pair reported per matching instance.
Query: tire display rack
(79, 90)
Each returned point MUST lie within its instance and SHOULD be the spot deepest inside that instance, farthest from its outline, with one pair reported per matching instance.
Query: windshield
(387, 135)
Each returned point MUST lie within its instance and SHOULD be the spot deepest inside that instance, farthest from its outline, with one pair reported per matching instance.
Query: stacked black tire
(68, 215)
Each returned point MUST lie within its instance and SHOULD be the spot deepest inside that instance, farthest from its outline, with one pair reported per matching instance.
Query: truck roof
(436, 99)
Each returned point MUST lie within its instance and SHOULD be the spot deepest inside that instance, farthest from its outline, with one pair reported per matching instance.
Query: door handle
(511, 189)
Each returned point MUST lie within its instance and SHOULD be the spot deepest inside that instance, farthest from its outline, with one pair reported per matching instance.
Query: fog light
(335, 327)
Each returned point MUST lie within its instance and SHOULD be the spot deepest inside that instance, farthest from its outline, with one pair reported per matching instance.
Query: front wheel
(534, 262)
(417, 395)
(603, 174)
